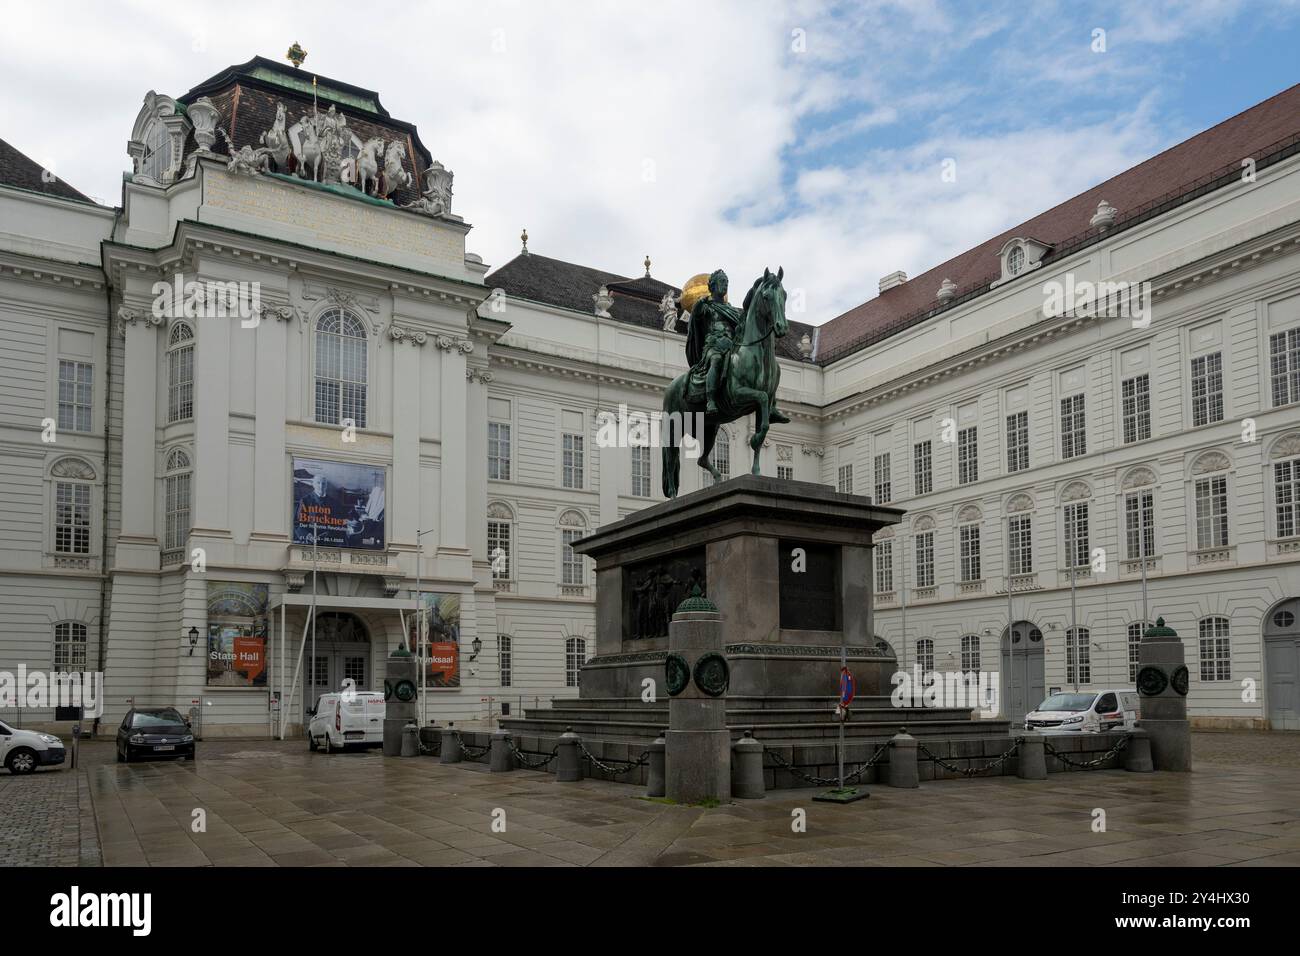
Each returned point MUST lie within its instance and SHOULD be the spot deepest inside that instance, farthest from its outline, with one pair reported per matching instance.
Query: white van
(347, 719)
(22, 751)
(1086, 711)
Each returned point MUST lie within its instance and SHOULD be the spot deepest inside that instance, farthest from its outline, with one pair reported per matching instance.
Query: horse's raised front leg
(706, 448)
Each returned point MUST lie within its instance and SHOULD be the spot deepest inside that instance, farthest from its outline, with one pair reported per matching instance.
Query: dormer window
(1015, 260)
(1020, 255)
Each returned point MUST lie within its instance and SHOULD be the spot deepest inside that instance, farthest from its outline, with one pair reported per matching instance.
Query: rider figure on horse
(710, 336)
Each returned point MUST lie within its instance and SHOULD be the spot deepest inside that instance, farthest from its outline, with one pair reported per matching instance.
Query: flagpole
(315, 545)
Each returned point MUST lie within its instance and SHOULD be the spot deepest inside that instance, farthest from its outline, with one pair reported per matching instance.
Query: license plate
(165, 747)
(353, 734)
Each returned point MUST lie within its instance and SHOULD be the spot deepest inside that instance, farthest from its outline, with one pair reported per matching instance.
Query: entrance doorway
(342, 652)
(1282, 664)
(1023, 681)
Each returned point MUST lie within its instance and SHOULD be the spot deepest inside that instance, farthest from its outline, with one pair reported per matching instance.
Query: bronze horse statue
(748, 384)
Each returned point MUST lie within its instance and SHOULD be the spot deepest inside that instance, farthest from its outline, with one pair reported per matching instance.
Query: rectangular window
(844, 480)
(641, 472)
(505, 658)
(177, 495)
(1078, 655)
(573, 571)
(785, 472)
(1284, 366)
(968, 467)
(71, 518)
(498, 547)
(1216, 652)
(925, 559)
(1135, 632)
(884, 484)
(573, 461)
(1136, 395)
(1021, 534)
(76, 393)
(969, 546)
(1286, 492)
(575, 655)
(1207, 389)
(1212, 512)
(1076, 533)
(970, 655)
(499, 451)
(69, 646)
(884, 567)
(1074, 439)
(1017, 441)
(925, 655)
(923, 467)
(180, 384)
(1140, 524)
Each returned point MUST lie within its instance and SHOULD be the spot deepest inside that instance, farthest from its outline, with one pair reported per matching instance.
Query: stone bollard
(747, 768)
(1162, 684)
(902, 760)
(500, 760)
(697, 761)
(654, 785)
(1031, 758)
(430, 737)
(449, 750)
(1137, 755)
(411, 740)
(568, 762)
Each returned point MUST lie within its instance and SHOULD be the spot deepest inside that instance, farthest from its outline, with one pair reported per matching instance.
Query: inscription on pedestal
(809, 586)
(653, 589)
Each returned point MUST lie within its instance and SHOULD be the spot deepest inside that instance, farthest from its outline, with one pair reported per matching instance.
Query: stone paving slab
(275, 804)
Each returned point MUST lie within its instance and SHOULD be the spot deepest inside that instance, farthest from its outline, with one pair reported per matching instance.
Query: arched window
(499, 538)
(505, 658)
(180, 373)
(1078, 662)
(970, 655)
(73, 480)
(1216, 654)
(722, 454)
(1286, 486)
(69, 646)
(575, 655)
(176, 501)
(573, 570)
(340, 369)
(157, 158)
(925, 654)
(1135, 632)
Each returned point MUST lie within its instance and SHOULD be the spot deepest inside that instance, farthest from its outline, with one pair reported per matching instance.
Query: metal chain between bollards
(783, 764)
(971, 771)
(473, 753)
(641, 761)
(1088, 764)
(531, 764)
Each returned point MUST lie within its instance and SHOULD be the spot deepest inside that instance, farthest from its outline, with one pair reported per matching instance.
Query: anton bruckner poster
(344, 501)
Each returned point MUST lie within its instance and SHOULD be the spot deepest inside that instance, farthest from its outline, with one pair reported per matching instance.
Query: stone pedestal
(400, 699)
(1162, 682)
(698, 765)
(788, 564)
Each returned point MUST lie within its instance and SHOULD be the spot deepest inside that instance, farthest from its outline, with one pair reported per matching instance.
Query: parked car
(1087, 711)
(346, 719)
(22, 751)
(154, 732)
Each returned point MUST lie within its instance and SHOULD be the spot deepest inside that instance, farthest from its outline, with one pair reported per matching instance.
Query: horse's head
(768, 297)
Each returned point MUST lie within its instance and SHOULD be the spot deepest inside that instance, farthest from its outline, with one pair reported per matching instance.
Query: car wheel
(311, 743)
(22, 760)
(328, 746)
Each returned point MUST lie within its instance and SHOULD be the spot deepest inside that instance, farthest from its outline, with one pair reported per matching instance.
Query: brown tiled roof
(1265, 132)
(17, 169)
(571, 286)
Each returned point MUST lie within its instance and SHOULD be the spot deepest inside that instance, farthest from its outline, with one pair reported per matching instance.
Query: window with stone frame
(925, 559)
(844, 479)
(498, 549)
(1284, 366)
(640, 471)
(341, 369)
(1215, 649)
(573, 449)
(505, 659)
(884, 560)
(575, 655)
(884, 483)
(1140, 524)
(1135, 396)
(72, 517)
(1021, 544)
(574, 573)
(499, 451)
(1076, 534)
(1286, 497)
(177, 483)
(1074, 437)
(180, 373)
(968, 538)
(76, 396)
(1017, 442)
(1078, 656)
(1135, 632)
(1207, 389)
(925, 655)
(968, 466)
(923, 467)
(785, 472)
(722, 455)
(1212, 512)
(69, 646)
(970, 655)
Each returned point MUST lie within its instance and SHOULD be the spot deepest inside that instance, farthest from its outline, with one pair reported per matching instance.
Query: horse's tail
(673, 427)
(672, 470)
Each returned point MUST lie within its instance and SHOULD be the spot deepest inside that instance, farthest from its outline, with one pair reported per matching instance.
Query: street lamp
(194, 639)
(478, 647)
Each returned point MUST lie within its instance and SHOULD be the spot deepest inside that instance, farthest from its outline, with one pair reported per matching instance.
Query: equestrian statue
(733, 373)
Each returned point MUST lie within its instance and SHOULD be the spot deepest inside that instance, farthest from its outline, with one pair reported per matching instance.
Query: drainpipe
(103, 516)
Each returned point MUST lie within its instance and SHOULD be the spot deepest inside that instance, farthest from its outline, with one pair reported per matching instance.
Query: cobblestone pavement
(46, 819)
(273, 804)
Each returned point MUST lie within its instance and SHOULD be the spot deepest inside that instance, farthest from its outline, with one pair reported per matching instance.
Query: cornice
(68, 275)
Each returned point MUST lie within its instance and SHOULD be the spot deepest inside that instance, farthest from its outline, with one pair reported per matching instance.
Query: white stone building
(191, 452)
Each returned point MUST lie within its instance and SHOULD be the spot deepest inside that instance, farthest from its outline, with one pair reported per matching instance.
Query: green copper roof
(323, 91)
(1160, 630)
(349, 192)
(697, 602)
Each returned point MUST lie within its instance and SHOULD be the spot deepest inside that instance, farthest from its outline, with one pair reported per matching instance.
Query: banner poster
(343, 500)
(442, 631)
(238, 624)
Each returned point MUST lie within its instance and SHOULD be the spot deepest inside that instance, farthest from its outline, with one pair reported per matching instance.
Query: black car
(154, 732)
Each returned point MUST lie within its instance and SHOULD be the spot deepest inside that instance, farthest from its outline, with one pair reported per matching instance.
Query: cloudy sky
(734, 133)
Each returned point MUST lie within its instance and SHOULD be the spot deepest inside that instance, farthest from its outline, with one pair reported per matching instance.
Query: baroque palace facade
(274, 377)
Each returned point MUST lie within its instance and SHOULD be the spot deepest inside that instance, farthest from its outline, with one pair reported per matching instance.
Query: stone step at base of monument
(652, 713)
(607, 727)
(824, 703)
